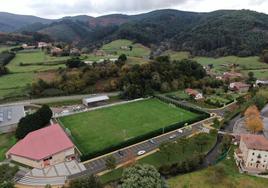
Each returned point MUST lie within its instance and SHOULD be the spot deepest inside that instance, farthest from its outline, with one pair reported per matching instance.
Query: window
(253, 153)
(49, 158)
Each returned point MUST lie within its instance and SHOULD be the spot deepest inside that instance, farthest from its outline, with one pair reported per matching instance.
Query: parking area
(126, 154)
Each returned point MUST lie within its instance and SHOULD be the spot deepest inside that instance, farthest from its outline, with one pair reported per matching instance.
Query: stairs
(39, 181)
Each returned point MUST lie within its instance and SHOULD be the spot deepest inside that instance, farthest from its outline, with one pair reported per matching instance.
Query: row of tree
(5, 58)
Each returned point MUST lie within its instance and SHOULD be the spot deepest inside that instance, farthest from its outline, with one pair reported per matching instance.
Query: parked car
(120, 152)
(173, 136)
(180, 131)
(152, 141)
(141, 152)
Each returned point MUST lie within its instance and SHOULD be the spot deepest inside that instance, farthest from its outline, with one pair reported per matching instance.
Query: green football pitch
(100, 129)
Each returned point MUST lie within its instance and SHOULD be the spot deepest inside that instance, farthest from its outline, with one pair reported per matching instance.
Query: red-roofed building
(231, 75)
(194, 93)
(44, 147)
(252, 154)
(239, 87)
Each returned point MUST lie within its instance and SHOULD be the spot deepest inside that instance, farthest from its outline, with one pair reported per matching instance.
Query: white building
(43, 45)
(252, 154)
(94, 99)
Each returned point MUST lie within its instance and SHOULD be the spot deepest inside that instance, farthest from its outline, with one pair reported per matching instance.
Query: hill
(218, 33)
(12, 22)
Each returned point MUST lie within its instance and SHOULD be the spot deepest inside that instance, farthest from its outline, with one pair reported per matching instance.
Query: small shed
(87, 101)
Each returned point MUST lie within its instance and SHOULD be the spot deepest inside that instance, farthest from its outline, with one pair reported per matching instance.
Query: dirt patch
(47, 76)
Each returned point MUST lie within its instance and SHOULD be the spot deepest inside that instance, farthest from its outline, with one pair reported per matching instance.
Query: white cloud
(58, 8)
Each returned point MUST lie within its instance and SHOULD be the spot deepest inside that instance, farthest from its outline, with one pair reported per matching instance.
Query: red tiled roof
(42, 143)
(190, 91)
(257, 142)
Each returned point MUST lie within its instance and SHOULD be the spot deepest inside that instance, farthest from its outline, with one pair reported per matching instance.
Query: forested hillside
(219, 33)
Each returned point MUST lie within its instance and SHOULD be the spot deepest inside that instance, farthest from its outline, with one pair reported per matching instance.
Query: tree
(110, 162)
(260, 101)
(183, 143)
(86, 182)
(6, 175)
(32, 122)
(200, 141)
(253, 120)
(167, 149)
(74, 63)
(264, 56)
(122, 58)
(251, 78)
(142, 176)
(216, 123)
(226, 142)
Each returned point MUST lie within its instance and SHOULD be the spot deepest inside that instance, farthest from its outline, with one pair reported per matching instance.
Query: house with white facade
(252, 154)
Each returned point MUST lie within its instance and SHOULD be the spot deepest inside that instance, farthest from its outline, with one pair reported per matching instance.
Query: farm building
(92, 101)
(231, 75)
(194, 93)
(10, 116)
(262, 82)
(239, 87)
(43, 45)
(44, 147)
(252, 154)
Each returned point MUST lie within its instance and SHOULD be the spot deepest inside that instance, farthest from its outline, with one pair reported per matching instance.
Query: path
(58, 99)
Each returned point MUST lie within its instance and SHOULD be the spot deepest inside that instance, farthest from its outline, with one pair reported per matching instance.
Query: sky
(60, 8)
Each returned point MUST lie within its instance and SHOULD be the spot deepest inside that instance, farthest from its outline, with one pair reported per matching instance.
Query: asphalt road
(58, 99)
(99, 165)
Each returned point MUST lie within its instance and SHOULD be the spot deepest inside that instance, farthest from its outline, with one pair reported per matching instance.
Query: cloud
(51, 8)
(59, 8)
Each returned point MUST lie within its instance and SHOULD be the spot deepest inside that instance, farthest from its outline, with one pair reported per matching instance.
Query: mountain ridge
(217, 33)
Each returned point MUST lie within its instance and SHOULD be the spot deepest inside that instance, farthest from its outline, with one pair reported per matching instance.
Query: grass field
(177, 55)
(260, 74)
(35, 57)
(158, 159)
(115, 48)
(15, 83)
(96, 130)
(6, 141)
(214, 177)
(6, 48)
(245, 63)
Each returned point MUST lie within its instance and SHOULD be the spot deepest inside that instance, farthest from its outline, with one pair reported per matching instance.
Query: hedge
(146, 136)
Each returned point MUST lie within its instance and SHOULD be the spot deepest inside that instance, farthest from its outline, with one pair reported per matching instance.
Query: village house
(231, 75)
(43, 147)
(262, 82)
(239, 87)
(252, 154)
(99, 53)
(55, 51)
(194, 93)
(75, 52)
(43, 45)
(27, 47)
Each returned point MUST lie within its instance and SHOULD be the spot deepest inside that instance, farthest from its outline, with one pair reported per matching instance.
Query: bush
(189, 165)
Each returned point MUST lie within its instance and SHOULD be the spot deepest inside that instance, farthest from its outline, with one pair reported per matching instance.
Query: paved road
(98, 165)
(59, 99)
